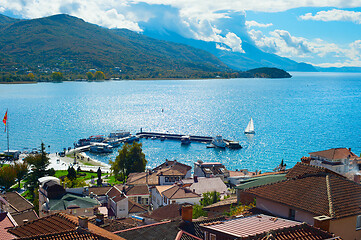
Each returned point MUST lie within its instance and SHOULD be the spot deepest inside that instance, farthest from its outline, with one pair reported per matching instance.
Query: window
(212, 236)
(358, 222)
(166, 179)
(140, 200)
(146, 201)
(292, 214)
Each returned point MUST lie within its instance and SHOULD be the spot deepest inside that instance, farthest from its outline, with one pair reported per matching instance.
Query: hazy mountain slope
(252, 58)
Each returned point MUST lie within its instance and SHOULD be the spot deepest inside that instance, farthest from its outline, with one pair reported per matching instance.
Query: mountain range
(71, 45)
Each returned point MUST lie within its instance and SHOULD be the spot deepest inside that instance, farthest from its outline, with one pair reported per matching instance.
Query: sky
(325, 33)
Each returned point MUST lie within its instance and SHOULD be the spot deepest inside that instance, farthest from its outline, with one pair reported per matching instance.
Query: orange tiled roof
(320, 194)
(335, 153)
(57, 224)
(6, 221)
(301, 169)
(143, 178)
(17, 202)
(137, 190)
(175, 165)
(299, 232)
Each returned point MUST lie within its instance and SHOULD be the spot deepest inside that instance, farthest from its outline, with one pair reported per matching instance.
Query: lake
(292, 117)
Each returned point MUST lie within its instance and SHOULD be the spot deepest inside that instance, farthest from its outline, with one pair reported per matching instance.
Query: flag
(5, 119)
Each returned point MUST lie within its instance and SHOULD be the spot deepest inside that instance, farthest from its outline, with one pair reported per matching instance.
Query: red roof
(301, 169)
(319, 194)
(335, 154)
(115, 194)
(177, 192)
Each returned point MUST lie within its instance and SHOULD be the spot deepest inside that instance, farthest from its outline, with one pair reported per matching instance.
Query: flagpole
(7, 130)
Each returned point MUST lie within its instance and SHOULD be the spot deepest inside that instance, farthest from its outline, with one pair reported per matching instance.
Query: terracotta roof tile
(6, 222)
(143, 178)
(99, 191)
(51, 226)
(177, 192)
(113, 192)
(134, 207)
(175, 165)
(169, 212)
(26, 215)
(182, 235)
(301, 169)
(136, 190)
(335, 153)
(320, 194)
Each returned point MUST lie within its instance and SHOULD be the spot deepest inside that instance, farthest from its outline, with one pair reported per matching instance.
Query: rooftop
(17, 202)
(22, 216)
(301, 169)
(335, 154)
(261, 180)
(249, 226)
(136, 190)
(6, 221)
(177, 192)
(70, 201)
(169, 212)
(203, 184)
(319, 194)
(134, 207)
(60, 226)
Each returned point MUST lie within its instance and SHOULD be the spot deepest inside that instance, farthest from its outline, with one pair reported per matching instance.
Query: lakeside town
(68, 195)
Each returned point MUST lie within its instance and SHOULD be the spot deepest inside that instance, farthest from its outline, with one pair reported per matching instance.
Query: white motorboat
(101, 148)
(185, 140)
(219, 142)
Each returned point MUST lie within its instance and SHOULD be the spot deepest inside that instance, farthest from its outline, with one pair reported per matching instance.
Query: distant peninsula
(65, 48)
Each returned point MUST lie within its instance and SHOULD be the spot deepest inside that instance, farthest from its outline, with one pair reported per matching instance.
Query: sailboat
(250, 128)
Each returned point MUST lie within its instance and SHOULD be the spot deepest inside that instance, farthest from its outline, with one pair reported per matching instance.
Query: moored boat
(119, 134)
(219, 142)
(234, 145)
(101, 148)
(185, 140)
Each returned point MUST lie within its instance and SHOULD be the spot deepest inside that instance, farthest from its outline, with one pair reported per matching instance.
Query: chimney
(187, 212)
(99, 219)
(322, 222)
(195, 178)
(357, 178)
(83, 222)
(349, 149)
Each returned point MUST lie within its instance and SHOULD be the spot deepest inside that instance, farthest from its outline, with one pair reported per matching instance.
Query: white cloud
(334, 15)
(256, 24)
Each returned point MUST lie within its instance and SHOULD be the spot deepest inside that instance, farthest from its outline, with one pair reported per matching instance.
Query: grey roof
(203, 185)
(72, 200)
(261, 180)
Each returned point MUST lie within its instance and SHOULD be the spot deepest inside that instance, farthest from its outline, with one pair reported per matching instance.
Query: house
(99, 193)
(165, 195)
(219, 208)
(325, 200)
(261, 227)
(202, 185)
(61, 226)
(167, 173)
(137, 193)
(117, 203)
(54, 198)
(335, 159)
(20, 209)
(210, 169)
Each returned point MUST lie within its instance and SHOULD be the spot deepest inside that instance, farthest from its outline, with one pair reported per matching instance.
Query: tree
(71, 173)
(31, 76)
(129, 160)
(89, 76)
(57, 76)
(77, 182)
(39, 164)
(7, 176)
(198, 211)
(21, 171)
(99, 75)
(210, 198)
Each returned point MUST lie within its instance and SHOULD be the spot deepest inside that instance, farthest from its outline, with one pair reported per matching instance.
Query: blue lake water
(309, 112)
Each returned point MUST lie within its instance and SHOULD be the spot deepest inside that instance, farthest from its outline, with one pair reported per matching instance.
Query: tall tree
(7, 176)
(130, 159)
(38, 164)
(21, 171)
(71, 173)
(57, 76)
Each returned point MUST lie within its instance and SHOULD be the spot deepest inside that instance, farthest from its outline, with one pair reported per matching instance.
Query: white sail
(250, 127)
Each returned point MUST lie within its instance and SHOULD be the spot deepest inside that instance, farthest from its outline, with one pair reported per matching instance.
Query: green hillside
(66, 44)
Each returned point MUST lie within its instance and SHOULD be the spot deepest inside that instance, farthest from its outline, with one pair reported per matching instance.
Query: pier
(193, 138)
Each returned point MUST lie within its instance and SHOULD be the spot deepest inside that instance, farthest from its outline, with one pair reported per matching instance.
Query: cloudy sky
(322, 32)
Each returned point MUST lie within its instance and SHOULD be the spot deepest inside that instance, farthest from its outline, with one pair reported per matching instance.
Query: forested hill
(71, 44)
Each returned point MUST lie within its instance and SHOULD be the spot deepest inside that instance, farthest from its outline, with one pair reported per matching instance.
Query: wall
(188, 200)
(122, 208)
(156, 198)
(283, 210)
(345, 228)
